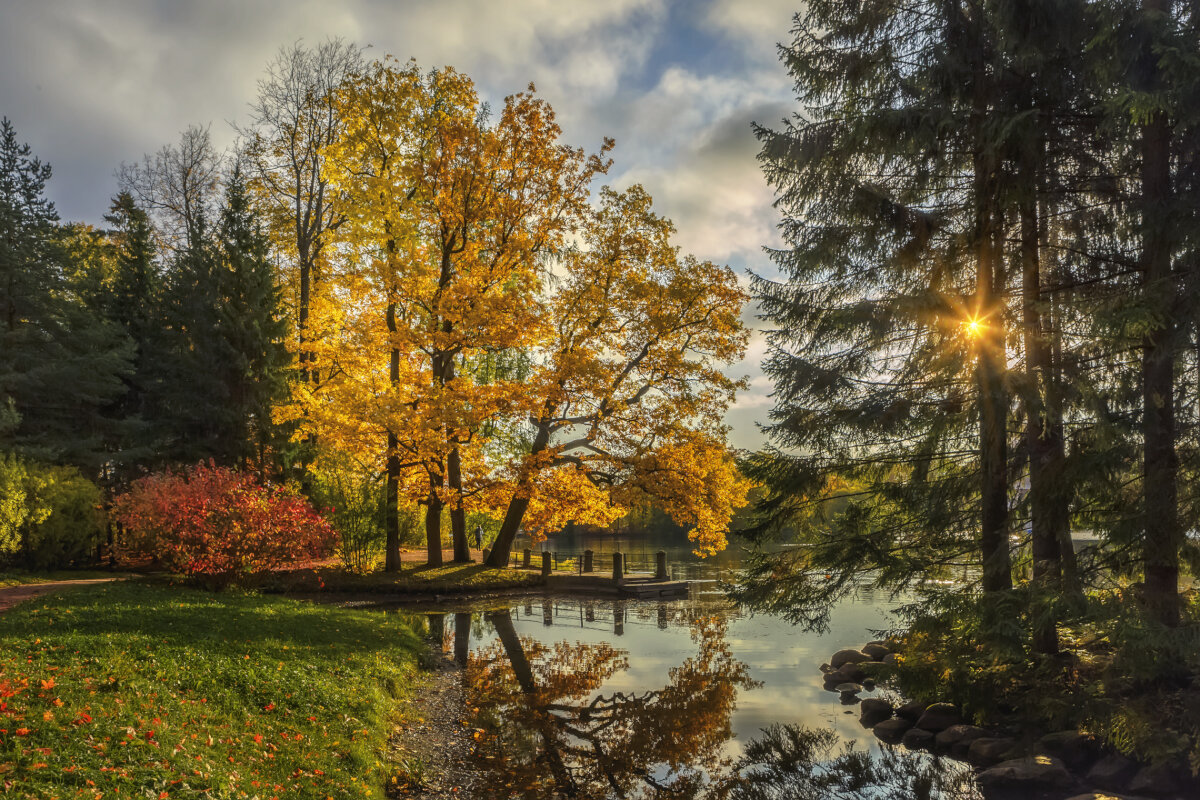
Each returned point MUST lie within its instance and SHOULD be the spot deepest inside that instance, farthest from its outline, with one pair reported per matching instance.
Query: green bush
(49, 516)
(354, 502)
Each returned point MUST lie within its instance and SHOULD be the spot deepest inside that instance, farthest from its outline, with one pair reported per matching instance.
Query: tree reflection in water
(549, 733)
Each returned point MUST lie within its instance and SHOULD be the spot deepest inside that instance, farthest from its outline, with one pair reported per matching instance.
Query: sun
(974, 328)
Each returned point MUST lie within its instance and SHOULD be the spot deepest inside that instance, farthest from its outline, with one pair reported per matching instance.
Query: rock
(911, 711)
(1113, 771)
(890, 658)
(938, 717)
(1033, 773)
(876, 650)
(849, 673)
(959, 737)
(848, 688)
(848, 657)
(917, 739)
(827, 668)
(868, 684)
(1155, 779)
(891, 730)
(1077, 750)
(874, 711)
(989, 749)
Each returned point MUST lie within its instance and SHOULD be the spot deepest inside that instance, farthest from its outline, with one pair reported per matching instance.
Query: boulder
(876, 650)
(938, 717)
(826, 668)
(890, 658)
(911, 711)
(1113, 771)
(1032, 774)
(917, 739)
(848, 657)
(988, 750)
(891, 730)
(959, 737)
(848, 673)
(1077, 750)
(1155, 779)
(874, 711)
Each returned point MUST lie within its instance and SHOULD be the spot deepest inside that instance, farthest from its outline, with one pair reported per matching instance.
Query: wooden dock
(634, 585)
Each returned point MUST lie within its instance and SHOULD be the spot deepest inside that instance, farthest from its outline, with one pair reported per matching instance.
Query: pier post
(525, 555)
(662, 617)
(618, 618)
(547, 613)
(546, 564)
(660, 565)
(587, 560)
(618, 567)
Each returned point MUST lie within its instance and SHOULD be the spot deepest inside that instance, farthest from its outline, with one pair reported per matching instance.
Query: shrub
(354, 500)
(49, 516)
(219, 523)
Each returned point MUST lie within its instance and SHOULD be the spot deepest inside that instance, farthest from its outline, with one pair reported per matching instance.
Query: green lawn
(17, 578)
(448, 579)
(139, 691)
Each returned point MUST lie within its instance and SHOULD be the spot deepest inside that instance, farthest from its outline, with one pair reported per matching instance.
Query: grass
(140, 691)
(421, 579)
(21, 578)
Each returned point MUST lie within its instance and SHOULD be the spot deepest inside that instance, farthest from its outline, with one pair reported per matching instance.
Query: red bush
(212, 521)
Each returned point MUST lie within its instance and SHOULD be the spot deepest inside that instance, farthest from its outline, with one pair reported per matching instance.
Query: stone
(851, 673)
(1032, 773)
(917, 739)
(874, 711)
(1077, 750)
(876, 650)
(911, 711)
(938, 717)
(988, 750)
(827, 668)
(848, 688)
(1113, 771)
(960, 737)
(891, 730)
(848, 657)
(890, 658)
(1155, 779)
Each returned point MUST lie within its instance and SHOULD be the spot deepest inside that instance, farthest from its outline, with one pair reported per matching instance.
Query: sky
(90, 84)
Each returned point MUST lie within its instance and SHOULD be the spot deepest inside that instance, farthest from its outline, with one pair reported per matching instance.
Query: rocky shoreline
(1009, 760)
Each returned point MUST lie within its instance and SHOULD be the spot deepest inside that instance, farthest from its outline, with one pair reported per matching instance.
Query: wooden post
(660, 565)
(525, 556)
(546, 564)
(618, 567)
(618, 618)
(547, 613)
(587, 560)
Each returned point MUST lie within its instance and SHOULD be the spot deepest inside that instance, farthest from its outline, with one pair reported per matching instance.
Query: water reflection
(552, 732)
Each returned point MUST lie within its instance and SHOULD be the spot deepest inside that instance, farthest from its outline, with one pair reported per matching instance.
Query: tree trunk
(458, 517)
(1162, 538)
(433, 522)
(391, 512)
(502, 547)
(1048, 501)
(993, 395)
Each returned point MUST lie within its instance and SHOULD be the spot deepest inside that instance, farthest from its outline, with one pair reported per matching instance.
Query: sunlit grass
(137, 691)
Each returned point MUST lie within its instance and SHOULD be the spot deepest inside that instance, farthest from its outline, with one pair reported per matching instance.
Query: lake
(590, 697)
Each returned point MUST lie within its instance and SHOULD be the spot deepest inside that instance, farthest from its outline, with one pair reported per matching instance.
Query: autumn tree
(626, 394)
(293, 119)
(449, 217)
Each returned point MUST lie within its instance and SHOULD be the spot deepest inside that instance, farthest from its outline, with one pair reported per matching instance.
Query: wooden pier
(618, 583)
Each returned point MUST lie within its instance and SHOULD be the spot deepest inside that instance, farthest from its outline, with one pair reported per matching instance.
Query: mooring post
(660, 565)
(618, 567)
(618, 618)
(587, 560)
(525, 556)
(546, 565)
(547, 613)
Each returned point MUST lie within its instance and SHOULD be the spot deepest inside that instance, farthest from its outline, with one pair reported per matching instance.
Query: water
(600, 698)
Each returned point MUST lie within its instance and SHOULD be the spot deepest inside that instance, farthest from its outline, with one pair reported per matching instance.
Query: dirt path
(12, 595)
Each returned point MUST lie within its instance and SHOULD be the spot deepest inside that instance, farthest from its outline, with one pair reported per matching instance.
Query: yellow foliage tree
(627, 392)
(449, 218)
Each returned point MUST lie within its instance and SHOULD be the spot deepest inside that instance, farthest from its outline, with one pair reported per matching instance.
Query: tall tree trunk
(517, 506)
(391, 511)
(1162, 538)
(991, 366)
(458, 516)
(1043, 425)
(433, 521)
